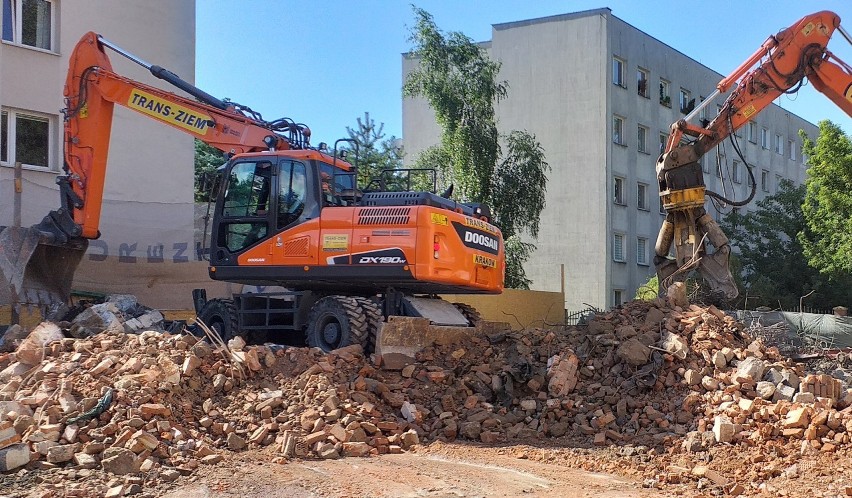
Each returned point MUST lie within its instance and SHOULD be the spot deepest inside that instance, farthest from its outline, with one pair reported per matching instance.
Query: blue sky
(324, 63)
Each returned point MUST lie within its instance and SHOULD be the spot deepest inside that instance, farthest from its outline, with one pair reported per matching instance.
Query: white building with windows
(600, 95)
(147, 218)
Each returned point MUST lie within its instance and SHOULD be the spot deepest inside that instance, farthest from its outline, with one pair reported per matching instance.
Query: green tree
(827, 206)
(773, 269)
(375, 152)
(207, 160)
(459, 81)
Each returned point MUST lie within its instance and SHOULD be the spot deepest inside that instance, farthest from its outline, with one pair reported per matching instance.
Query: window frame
(736, 171)
(618, 194)
(18, 31)
(779, 144)
(791, 149)
(642, 252)
(683, 97)
(619, 80)
(764, 138)
(643, 74)
(642, 139)
(752, 132)
(642, 196)
(617, 297)
(665, 92)
(618, 236)
(12, 116)
(618, 139)
(764, 180)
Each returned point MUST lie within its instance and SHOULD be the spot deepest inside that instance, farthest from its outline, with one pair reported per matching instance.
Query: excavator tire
(374, 317)
(470, 313)
(335, 322)
(221, 316)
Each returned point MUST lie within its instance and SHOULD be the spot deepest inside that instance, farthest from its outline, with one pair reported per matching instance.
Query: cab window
(293, 186)
(246, 203)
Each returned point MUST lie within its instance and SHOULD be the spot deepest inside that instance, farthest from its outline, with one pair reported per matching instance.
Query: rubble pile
(663, 374)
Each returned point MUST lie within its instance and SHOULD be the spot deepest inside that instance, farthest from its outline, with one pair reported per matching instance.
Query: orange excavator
(779, 67)
(286, 214)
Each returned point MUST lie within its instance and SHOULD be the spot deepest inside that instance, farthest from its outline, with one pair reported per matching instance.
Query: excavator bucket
(34, 271)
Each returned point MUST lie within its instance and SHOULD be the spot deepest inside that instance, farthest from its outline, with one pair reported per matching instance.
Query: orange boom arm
(91, 90)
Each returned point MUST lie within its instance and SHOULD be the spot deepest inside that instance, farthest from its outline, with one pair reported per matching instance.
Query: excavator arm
(91, 91)
(779, 66)
(37, 264)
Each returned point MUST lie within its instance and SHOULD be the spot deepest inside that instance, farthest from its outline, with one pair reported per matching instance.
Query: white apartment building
(147, 245)
(600, 95)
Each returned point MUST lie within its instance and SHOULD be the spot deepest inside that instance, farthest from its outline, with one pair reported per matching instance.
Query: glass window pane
(4, 137)
(247, 193)
(35, 23)
(293, 187)
(32, 136)
(8, 19)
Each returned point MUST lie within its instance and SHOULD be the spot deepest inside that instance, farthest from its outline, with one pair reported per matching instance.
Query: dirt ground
(444, 471)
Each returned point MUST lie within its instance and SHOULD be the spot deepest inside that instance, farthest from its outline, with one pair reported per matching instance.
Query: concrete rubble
(647, 374)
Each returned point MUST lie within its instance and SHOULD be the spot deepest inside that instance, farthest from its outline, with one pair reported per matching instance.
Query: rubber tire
(221, 316)
(336, 322)
(374, 315)
(469, 312)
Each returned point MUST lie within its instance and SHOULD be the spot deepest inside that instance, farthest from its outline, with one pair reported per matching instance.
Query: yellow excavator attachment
(35, 271)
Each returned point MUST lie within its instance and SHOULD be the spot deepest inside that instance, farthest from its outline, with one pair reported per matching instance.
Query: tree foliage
(459, 81)
(827, 208)
(773, 269)
(207, 160)
(375, 152)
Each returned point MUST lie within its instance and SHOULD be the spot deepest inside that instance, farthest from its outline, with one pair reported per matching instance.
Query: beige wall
(518, 308)
(148, 197)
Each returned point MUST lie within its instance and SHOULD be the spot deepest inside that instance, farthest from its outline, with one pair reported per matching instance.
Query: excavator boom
(779, 66)
(38, 263)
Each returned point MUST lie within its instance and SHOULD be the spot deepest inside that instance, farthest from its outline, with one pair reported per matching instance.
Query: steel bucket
(35, 271)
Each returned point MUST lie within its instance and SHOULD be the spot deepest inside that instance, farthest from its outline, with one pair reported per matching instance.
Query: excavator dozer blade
(34, 271)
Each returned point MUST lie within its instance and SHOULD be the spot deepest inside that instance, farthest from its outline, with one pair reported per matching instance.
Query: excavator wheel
(336, 322)
(221, 316)
(374, 317)
(470, 313)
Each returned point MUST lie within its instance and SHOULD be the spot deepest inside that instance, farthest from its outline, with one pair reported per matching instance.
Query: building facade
(147, 217)
(600, 95)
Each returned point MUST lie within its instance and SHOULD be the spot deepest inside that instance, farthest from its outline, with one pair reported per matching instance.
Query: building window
(764, 180)
(736, 172)
(665, 95)
(617, 297)
(618, 191)
(764, 138)
(618, 72)
(663, 139)
(642, 251)
(720, 160)
(752, 132)
(4, 140)
(642, 83)
(618, 130)
(779, 145)
(642, 196)
(686, 105)
(750, 178)
(705, 164)
(791, 147)
(26, 139)
(618, 247)
(643, 139)
(778, 180)
(29, 22)
(702, 114)
(662, 208)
